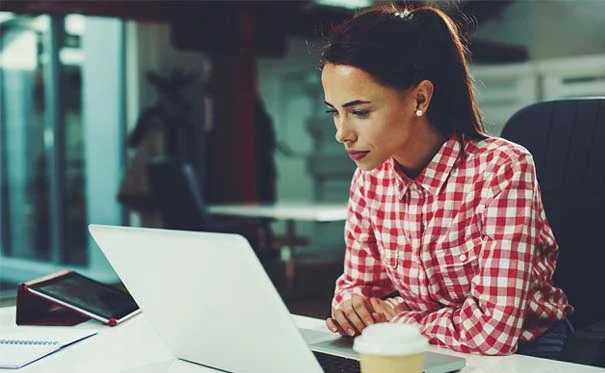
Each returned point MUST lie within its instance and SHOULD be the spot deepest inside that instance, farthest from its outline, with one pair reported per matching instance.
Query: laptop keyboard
(336, 364)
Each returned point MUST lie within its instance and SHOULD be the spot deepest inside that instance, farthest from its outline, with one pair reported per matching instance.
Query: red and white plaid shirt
(466, 244)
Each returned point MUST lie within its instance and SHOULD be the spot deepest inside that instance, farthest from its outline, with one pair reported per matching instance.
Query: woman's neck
(421, 149)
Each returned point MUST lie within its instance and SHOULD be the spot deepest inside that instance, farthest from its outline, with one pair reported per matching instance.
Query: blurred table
(290, 213)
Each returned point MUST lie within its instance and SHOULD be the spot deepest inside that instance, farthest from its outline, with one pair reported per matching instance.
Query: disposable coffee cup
(391, 348)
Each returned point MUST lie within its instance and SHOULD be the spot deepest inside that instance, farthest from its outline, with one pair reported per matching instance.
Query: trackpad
(315, 336)
(329, 343)
(342, 346)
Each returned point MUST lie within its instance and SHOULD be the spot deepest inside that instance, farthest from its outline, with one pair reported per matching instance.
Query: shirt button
(462, 258)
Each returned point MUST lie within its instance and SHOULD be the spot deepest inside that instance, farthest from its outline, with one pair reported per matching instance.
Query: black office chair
(567, 141)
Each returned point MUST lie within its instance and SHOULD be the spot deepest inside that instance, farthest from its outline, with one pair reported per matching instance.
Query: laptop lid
(208, 297)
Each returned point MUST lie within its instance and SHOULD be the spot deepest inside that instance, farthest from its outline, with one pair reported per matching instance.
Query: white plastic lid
(391, 339)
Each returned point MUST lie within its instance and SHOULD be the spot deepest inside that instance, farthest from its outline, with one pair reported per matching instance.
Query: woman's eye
(361, 113)
(332, 112)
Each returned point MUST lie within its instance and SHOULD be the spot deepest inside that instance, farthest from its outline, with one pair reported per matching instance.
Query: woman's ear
(424, 94)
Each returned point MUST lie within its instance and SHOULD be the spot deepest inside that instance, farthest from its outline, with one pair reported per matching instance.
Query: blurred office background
(238, 96)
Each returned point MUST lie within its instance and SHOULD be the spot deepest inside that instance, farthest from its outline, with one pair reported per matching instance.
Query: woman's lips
(357, 155)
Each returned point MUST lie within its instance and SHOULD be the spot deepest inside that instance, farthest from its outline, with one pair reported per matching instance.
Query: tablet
(95, 299)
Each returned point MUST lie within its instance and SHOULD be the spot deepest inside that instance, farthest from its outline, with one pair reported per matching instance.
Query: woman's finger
(390, 312)
(379, 317)
(353, 308)
(334, 327)
(363, 309)
(377, 305)
(384, 307)
(343, 320)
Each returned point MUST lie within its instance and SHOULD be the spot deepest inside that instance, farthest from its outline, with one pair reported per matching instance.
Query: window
(47, 140)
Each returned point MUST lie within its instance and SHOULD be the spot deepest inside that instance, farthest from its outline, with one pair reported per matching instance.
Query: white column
(104, 128)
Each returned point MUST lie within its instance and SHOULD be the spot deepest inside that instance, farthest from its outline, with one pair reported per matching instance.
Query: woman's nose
(344, 133)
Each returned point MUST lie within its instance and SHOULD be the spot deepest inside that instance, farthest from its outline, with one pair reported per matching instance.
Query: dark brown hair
(400, 48)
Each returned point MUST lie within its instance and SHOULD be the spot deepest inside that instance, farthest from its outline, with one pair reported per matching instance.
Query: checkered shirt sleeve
(363, 271)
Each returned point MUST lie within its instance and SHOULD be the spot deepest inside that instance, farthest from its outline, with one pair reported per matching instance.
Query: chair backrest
(567, 141)
(177, 194)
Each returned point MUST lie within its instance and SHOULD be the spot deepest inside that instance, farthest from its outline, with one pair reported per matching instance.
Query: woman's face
(373, 122)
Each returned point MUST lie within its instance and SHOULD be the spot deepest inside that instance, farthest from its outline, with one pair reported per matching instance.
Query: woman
(445, 225)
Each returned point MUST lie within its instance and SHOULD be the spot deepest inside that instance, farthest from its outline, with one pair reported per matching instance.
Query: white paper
(23, 345)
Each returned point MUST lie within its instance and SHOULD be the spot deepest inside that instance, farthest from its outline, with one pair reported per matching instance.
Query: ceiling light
(349, 4)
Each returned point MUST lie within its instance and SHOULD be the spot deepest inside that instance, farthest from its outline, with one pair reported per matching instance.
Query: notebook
(22, 345)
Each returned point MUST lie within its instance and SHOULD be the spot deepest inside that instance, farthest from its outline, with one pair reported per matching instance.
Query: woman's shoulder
(496, 162)
(497, 151)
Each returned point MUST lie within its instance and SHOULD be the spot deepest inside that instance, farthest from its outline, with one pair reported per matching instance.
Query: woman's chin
(365, 165)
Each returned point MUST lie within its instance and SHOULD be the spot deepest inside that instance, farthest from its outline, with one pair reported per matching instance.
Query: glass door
(43, 208)
(25, 197)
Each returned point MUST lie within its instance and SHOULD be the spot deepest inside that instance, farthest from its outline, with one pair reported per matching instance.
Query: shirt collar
(434, 175)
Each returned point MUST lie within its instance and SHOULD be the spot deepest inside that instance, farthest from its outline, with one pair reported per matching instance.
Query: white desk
(290, 213)
(134, 347)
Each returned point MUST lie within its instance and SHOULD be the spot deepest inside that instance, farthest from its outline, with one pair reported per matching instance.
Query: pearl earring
(419, 113)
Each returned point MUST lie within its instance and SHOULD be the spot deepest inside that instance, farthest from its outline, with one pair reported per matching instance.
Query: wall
(568, 28)
(290, 106)
(291, 90)
(550, 29)
(513, 25)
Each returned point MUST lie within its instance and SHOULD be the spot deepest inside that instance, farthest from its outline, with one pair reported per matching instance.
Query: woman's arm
(363, 271)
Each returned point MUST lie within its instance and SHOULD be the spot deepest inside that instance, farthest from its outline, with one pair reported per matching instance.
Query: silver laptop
(209, 299)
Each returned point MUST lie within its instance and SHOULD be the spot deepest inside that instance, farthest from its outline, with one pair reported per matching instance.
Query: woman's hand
(352, 317)
(358, 312)
(386, 310)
